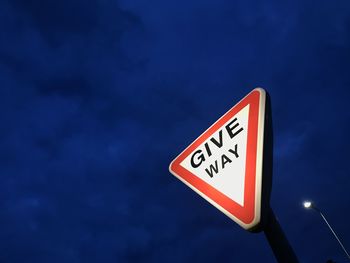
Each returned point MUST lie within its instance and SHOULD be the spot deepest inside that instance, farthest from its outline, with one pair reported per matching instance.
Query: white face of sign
(220, 160)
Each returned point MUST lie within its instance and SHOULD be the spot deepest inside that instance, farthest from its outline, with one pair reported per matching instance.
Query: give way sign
(230, 163)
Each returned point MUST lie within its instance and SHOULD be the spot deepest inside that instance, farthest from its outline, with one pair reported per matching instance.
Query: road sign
(230, 163)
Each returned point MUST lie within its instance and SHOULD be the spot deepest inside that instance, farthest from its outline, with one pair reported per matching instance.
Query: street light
(311, 205)
(307, 204)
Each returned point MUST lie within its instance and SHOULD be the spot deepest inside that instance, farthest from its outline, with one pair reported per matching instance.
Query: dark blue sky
(97, 97)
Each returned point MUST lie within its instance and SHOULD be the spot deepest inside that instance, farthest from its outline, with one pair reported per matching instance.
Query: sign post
(230, 165)
(278, 241)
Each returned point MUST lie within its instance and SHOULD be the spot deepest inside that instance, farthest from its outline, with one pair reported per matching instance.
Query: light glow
(307, 204)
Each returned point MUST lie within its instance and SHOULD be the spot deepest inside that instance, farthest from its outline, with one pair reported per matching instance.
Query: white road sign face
(217, 161)
(224, 164)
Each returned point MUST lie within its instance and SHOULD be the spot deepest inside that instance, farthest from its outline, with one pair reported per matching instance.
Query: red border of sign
(245, 213)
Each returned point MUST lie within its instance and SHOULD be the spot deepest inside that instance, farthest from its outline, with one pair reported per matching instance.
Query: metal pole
(279, 243)
(333, 232)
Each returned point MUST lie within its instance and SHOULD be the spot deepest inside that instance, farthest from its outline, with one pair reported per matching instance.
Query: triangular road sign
(227, 163)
